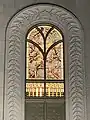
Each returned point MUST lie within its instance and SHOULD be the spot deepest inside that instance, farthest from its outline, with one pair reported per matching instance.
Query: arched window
(44, 62)
(44, 76)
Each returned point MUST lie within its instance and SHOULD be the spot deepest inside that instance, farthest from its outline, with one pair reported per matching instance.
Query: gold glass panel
(35, 89)
(55, 89)
(35, 36)
(53, 37)
(54, 64)
(34, 63)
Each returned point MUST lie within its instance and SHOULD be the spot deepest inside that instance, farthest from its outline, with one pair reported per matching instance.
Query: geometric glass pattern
(44, 62)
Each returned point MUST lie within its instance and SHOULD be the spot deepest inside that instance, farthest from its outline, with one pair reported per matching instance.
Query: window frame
(45, 80)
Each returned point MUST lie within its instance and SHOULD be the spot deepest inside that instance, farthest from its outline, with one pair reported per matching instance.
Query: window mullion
(44, 66)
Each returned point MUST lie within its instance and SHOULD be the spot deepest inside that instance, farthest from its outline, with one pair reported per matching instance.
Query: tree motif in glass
(44, 62)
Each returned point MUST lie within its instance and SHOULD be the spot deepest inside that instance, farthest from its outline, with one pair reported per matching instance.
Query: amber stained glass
(54, 64)
(35, 89)
(44, 61)
(35, 36)
(54, 89)
(34, 65)
(53, 37)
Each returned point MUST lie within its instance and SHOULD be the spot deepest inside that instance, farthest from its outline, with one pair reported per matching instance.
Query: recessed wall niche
(75, 93)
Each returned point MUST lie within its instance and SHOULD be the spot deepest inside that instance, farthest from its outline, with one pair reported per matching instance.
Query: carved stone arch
(15, 60)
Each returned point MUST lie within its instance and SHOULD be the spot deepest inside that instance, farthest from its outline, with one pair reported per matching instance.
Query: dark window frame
(45, 54)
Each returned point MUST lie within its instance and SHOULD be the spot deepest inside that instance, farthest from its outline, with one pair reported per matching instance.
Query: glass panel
(53, 37)
(35, 89)
(34, 63)
(55, 89)
(35, 36)
(54, 64)
(44, 29)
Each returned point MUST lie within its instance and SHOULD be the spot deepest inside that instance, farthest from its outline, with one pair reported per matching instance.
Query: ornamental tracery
(44, 62)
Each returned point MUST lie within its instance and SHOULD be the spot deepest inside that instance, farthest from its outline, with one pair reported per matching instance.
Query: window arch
(44, 62)
(14, 72)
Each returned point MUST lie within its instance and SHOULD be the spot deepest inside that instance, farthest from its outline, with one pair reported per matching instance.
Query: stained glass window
(44, 62)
